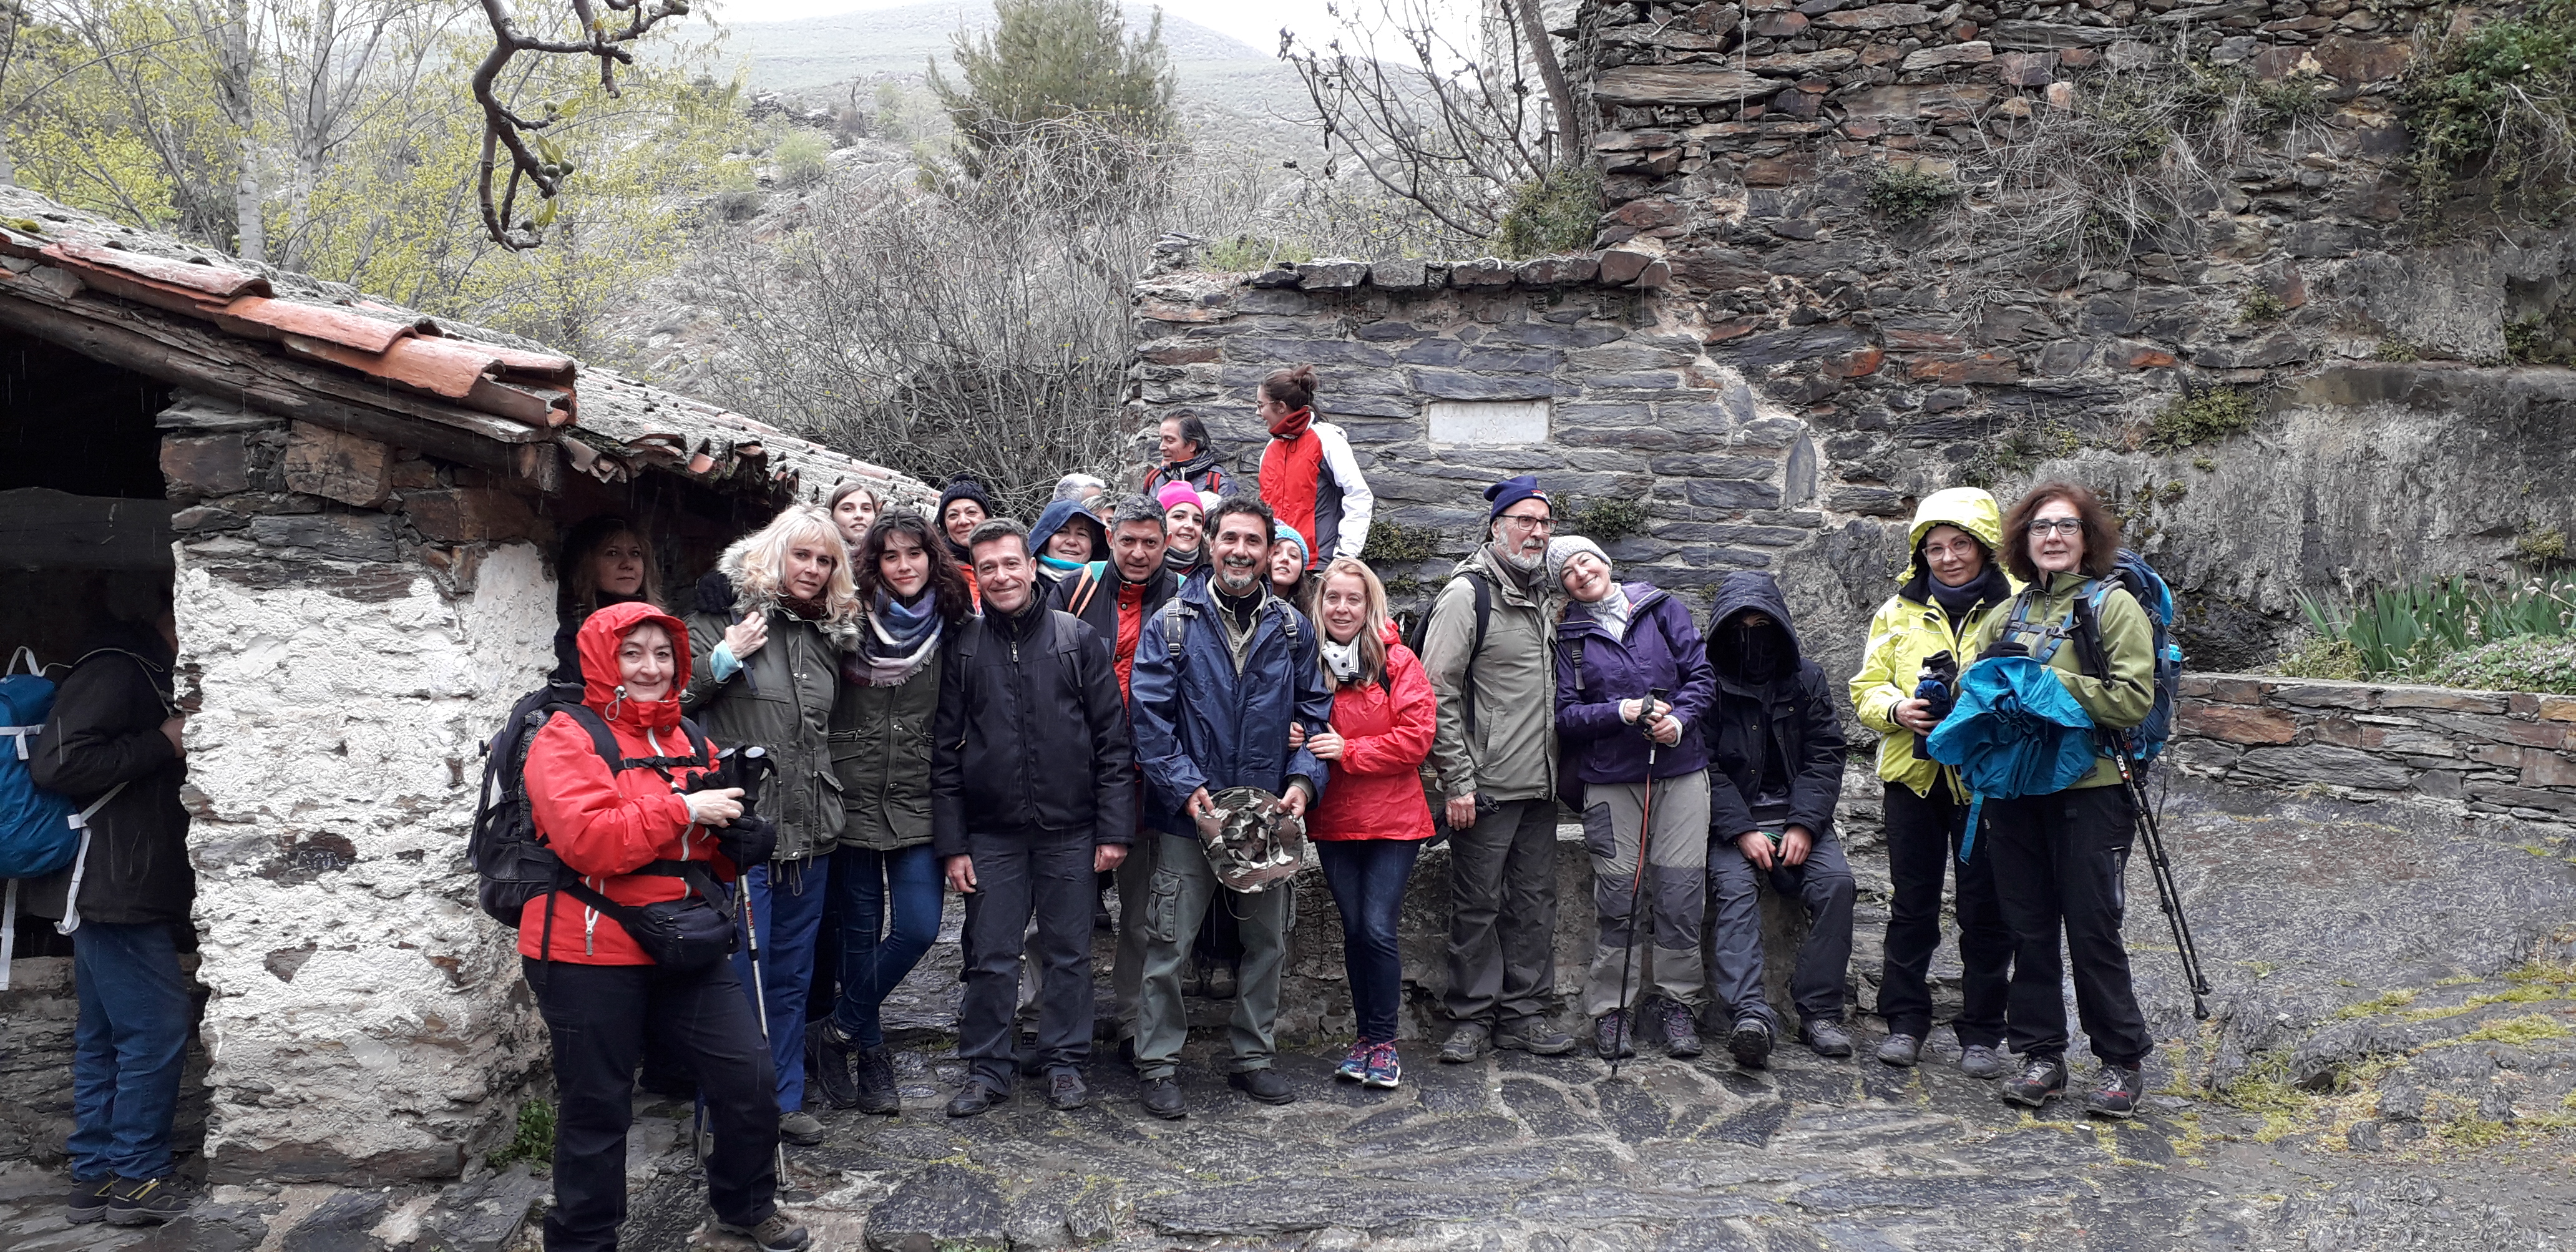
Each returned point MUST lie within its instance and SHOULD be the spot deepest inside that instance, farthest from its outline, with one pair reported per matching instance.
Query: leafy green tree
(1050, 60)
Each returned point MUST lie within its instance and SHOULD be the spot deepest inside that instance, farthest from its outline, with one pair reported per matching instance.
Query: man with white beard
(1225, 672)
(1490, 648)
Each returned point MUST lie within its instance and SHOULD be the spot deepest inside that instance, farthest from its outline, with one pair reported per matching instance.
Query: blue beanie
(1512, 491)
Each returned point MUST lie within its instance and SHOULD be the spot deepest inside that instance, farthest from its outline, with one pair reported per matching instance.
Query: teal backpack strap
(1968, 843)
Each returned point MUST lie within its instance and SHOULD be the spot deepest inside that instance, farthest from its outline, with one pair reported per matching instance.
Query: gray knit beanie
(1565, 548)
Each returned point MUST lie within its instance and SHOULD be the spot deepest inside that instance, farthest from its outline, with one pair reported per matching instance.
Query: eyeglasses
(1524, 525)
(2040, 526)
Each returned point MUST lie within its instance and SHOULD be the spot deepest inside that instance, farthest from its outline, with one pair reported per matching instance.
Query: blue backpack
(2129, 572)
(40, 831)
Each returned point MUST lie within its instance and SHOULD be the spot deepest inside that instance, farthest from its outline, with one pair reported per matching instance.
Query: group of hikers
(1164, 696)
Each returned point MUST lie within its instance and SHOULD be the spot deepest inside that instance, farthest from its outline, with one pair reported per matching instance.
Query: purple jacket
(1663, 649)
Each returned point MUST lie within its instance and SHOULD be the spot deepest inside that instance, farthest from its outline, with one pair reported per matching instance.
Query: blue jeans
(135, 1016)
(906, 882)
(1367, 877)
(787, 906)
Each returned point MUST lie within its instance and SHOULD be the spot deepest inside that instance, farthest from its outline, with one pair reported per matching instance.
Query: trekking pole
(759, 993)
(2168, 890)
(1636, 884)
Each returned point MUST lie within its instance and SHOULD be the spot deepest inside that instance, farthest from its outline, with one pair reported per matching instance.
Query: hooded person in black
(1775, 770)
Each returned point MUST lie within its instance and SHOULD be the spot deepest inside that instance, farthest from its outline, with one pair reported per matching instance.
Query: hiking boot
(88, 1200)
(1750, 1042)
(1981, 1061)
(1901, 1051)
(1681, 1032)
(827, 1058)
(1355, 1066)
(2115, 1093)
(774, 1233)
(2042, 1079)
(1385, 1067)
(975, 1098)
(1825, 1037)
(1065, 1091)
(801, 1129)
(1464, 1044)
(876, 1089)
(1264, 1085)
(1162, 1098)
(1614, 1035)
(1534, 1036)
(143, 1201)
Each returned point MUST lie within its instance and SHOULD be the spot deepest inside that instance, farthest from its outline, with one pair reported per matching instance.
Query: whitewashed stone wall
(365, 1018)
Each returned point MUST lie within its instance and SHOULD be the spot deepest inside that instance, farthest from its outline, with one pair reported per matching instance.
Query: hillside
(1224, 84)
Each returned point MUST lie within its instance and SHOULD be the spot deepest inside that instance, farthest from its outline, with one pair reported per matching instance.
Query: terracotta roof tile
(260, 317)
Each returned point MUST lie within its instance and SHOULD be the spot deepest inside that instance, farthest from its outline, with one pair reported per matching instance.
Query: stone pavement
(2392, 1066)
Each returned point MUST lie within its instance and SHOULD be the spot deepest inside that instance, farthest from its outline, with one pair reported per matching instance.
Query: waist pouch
(685, 935)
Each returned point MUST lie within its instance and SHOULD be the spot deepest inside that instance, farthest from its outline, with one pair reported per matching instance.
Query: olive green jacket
(782, 699)
(2119, 701)
(881, 754)
(1512, 754)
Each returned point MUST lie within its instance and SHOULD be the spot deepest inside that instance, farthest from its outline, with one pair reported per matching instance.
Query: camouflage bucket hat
(1250, 843)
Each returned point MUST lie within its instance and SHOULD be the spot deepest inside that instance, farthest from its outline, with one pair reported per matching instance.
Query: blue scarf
(900, 638)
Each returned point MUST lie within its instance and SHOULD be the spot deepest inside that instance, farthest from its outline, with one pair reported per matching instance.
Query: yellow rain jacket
(1910, 629)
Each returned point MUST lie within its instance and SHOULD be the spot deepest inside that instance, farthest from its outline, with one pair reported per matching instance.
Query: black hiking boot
(877, 1093)
(1750, 1042)
(2043, 1078)
(827, 1058)
(2115, 1094)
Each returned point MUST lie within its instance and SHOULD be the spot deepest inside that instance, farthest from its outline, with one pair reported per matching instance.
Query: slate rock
(340, 1224)
(482, 1216)
(945, 1208)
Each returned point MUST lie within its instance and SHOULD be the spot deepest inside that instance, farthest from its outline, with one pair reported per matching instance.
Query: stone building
(1852, 253)
(357, 507)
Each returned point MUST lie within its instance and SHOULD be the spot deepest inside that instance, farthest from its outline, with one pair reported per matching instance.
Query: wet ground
(2392, 1066)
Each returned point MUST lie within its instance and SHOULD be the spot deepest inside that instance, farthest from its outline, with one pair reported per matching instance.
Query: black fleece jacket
(105, 730)
(1790, 713)
(1031, 733)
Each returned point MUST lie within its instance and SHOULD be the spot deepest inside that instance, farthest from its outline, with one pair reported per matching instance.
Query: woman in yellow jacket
(1954, 585)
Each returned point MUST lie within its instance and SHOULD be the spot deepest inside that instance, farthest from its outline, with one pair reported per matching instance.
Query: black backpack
(509, 857)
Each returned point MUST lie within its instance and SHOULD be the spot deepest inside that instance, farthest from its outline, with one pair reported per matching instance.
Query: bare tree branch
(534, 160)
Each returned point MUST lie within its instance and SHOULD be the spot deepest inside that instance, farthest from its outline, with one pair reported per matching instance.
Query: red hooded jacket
(606, 825)
(1375, 790)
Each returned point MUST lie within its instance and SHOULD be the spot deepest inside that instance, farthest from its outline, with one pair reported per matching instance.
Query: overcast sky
(1255, 22)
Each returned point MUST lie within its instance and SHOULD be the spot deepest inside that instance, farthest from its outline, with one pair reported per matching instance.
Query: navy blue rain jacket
(1200, 724)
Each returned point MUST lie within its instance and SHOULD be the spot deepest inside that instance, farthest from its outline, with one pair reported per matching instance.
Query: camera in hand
(1937, 685)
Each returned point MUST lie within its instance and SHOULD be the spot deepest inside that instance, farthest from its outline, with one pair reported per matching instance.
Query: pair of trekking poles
(753, 764)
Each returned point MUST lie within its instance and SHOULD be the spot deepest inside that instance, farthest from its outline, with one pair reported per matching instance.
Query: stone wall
(2508, 753)
(353, 620)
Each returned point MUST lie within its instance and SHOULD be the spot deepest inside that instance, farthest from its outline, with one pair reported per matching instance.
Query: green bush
(2260, 306)
(1910, 194)
(2448, 632)
(2277, 103)
(1393, 545)
(1558, 211)
(1604, 522)
(2541, 340)
(534, 1142)
(799, 156)
(2316, 656)
(1251, 254)
(2499, 98)
(2205, 416)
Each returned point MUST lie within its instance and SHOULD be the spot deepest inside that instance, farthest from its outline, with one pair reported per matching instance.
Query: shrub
(2522, 663)
(2316, 656)
(2451, 632)
(2260, 306)
(1392, 544)
(2196, 417)
(1251, 254)
(2497, 101)
(1910, 194)
(739, 202)
(1558, 211)
(534, 1142)
(1604, 522)
(799, 156)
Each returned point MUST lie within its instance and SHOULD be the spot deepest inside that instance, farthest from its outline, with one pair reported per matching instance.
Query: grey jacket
(1512, 754)
(781, 699)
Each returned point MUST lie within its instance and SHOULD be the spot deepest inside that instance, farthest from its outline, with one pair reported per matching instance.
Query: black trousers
(600, 1017)
(1923, 838)
(1044, 874)
(2061, 865)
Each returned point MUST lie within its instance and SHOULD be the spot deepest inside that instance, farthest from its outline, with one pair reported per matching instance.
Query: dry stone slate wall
(353, 620)
(2482, 751)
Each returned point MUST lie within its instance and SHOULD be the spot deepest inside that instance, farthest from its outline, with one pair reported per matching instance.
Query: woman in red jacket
(600, 994)
(1371, 822)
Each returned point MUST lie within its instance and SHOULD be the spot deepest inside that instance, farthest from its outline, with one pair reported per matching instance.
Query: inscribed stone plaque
(1485, 423)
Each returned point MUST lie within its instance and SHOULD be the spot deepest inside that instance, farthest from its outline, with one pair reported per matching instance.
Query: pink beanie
(1177, 493)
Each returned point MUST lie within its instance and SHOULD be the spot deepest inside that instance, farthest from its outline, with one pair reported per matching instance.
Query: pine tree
(1054, 60)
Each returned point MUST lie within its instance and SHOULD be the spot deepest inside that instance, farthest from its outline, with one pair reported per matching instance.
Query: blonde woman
(765, 650)
(1370, 824)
